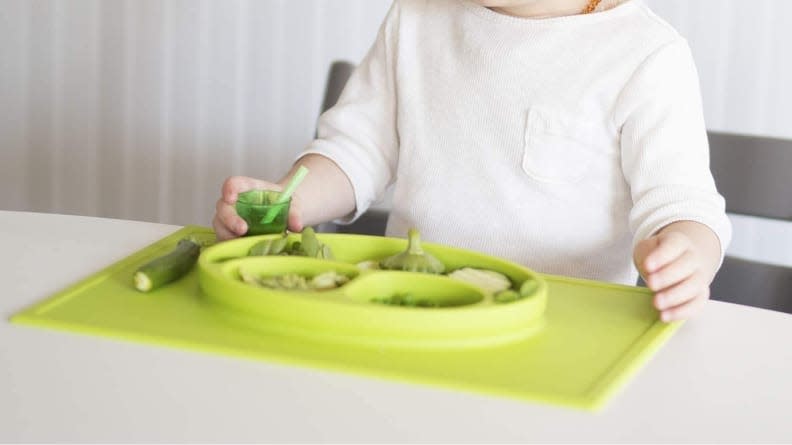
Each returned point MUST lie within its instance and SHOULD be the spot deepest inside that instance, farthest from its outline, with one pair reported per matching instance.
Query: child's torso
(506, 134)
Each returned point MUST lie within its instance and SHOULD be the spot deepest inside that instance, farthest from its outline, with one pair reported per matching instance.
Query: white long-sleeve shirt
(557, 143)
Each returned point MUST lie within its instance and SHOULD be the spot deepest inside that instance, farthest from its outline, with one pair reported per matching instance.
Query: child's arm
(354, 157)
(678, 263)
(665, 159)
(324, 194)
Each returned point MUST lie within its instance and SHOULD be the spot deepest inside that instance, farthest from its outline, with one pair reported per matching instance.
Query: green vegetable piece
(325, 252)
(294, 281)
(368, 265)
(507, 296)
(425, 302)
(271, 282)
(203, 239)
(298, 282)
(325, 280)
(488, 280)
(278, 245)
(249, 278)
(278, 282)
(529, 287)
(405, 299)
(269, 247)
(169, 267)
(310, 244)
(414, 259)
(261, 248)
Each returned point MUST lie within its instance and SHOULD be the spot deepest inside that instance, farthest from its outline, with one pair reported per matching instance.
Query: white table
(725, 376)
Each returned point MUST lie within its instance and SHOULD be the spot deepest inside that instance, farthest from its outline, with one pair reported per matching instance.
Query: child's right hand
(227, 224)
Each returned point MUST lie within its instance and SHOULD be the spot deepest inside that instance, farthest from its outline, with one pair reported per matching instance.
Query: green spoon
(299, 175)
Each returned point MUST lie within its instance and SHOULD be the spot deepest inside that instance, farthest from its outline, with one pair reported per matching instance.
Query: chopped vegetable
(169, 267)
(368, 265)
(414, 259)
(310, 246)
(293, 281)
(529, 287)
(507, 296)
(248, 278)
(203, 239)
(274, 246)
(405, 299)
(488, 280)
(328, 280)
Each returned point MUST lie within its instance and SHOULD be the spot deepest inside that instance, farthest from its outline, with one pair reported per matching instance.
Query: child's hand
(227, 224)
(678, 264)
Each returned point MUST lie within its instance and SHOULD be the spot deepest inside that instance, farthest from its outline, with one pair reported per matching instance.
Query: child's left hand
(678, 264)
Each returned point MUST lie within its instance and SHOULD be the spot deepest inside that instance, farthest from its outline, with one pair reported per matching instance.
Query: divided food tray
(464, 315)
(573, 342)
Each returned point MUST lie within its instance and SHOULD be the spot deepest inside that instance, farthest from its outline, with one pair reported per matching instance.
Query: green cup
(262, 212)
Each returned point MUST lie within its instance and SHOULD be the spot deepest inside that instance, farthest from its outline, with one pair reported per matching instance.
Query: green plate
(464, 316)
(574, 343)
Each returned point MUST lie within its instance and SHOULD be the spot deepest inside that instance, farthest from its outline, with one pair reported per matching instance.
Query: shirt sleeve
(665, 152)
(359, 132)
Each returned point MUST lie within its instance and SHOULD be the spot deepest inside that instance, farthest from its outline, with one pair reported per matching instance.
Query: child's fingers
(668, 248)
(235, 185)
(227, 217)
(295, 219)
(685, 310)
(221, 231)
(678, 270)
(680, 293)
(642, 249)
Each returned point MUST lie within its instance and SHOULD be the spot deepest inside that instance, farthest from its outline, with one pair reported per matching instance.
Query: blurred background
(138, 109)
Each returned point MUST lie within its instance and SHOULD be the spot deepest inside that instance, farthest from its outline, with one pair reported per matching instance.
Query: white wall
(743, 56)
(139, 108)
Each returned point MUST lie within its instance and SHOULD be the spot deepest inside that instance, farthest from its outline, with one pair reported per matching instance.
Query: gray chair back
(337, 78)
(754, 174)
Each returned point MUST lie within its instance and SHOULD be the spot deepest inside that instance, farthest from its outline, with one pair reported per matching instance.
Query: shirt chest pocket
(558, 148)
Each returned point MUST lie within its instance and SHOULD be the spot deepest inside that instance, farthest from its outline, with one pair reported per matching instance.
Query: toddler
(565, 135)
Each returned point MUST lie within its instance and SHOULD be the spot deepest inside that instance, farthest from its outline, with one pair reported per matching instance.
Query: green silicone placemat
(595, 339)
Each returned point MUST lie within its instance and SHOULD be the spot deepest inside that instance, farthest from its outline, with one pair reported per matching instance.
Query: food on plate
(529, 287)
(274, 246)
(368, 265)
(414, 259)
(405, 299)
(294, 281)
(488, 280)
(309, 246)
(506, 296)
(173, 265)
